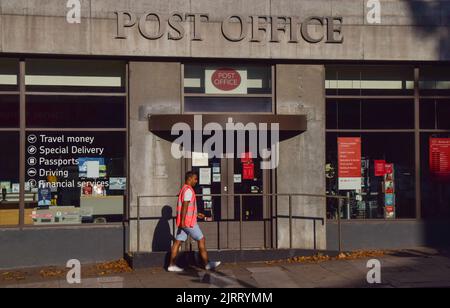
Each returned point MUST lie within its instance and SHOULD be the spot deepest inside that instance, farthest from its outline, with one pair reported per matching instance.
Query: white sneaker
(212, 265)
(174, 269)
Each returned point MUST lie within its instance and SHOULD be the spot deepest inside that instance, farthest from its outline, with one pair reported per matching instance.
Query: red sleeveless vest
(191, 215)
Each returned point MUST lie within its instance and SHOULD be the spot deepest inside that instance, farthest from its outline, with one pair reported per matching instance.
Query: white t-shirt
(187, 195)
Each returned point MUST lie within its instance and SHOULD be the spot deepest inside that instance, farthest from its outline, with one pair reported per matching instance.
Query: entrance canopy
(289, 125)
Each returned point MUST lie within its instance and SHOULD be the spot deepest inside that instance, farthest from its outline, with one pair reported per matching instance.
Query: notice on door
(200, 159)
(205, 176)
(349, 163)
(440, 158)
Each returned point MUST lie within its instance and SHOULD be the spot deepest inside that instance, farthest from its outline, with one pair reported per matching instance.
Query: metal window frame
(417, 130)
(23, 130)
(271, 95)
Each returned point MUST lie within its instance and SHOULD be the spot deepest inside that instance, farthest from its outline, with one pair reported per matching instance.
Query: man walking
(187, 224)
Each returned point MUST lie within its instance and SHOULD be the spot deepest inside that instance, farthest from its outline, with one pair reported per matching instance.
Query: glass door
(229, 178)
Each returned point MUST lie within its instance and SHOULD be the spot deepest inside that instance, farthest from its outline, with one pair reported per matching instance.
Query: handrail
(339, 198)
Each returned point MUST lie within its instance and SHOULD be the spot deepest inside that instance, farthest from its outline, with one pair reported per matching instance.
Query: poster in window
(93, 169)
(248, 172)
(15, 188)
(44, 197)
(200, 159)
(206, 192)
(440, 158)
(216, 168)
(117, 183)
(380, 167)
(349, 163)
(6, 186)
(246, 158)
(217, 178)
(237, 178)
(389, 200)
(205, 176)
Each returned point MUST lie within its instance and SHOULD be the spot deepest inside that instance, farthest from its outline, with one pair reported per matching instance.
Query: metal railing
(340, 200)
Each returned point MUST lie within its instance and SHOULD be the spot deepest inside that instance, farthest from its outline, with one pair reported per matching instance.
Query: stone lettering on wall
(234, 28)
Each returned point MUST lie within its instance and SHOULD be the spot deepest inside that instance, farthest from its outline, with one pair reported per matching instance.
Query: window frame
(23, 130)
(417, 130)
(230, 64)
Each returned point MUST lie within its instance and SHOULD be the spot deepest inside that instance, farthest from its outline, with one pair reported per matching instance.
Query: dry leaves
(52, 273)
(13, 276)
(103, 269)
(115, 267)
(319, 258)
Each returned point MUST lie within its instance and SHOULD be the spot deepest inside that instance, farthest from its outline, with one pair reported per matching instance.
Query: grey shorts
(195, 233)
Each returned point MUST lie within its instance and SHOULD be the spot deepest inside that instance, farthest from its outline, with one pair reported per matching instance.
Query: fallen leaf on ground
(319, 258)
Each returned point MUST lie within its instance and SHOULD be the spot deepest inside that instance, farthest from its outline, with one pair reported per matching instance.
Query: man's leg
(174, 252)
(203, 252)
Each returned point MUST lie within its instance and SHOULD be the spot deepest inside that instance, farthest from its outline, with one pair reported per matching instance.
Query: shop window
(62, 111)
(9, 179)
(74, 76)
(370, 201)
(428, 114)
(370, 114)
(346, 80)
(332, 114)
(349, 114)
(331, 78)
(435, 113)
(434, 81)
(227, 79)
(387, 80)
(228, 88)
(387, 114)
(227, 104)
(435, 170)
(76, 177)
(370, 80)
(443, 114)
(9, 75)
(9, 111)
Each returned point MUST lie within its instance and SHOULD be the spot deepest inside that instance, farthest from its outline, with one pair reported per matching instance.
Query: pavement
(410, 268)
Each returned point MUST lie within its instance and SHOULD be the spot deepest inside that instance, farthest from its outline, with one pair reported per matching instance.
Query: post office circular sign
(226, 79)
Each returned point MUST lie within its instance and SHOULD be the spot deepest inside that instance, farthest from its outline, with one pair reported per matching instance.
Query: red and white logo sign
(226, 79)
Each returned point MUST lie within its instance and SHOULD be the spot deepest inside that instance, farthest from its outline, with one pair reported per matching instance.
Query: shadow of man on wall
(162, 238)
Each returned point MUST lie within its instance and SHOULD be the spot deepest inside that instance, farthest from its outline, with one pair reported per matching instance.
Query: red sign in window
(380, 167)
(440, 158)
(226, 79)
(246, 157)
(248, 171)
(349, 157)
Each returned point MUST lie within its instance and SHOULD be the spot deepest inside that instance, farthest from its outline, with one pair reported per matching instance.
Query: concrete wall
(398, 234)
(155, 88)
(409, 30)
(55, 246)
(300, 90)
